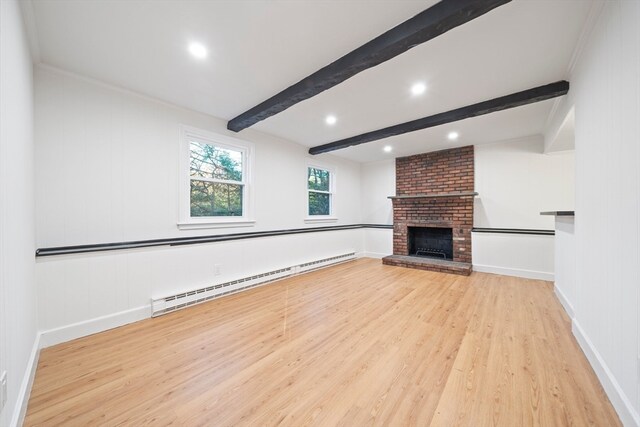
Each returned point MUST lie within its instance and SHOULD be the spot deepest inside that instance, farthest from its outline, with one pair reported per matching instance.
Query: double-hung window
(320, 193)
(215, 177)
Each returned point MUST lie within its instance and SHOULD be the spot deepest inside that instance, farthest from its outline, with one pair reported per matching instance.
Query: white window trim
(185, 220)
(332, 217)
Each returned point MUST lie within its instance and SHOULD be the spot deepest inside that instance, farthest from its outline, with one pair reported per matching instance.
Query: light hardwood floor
(357, 344)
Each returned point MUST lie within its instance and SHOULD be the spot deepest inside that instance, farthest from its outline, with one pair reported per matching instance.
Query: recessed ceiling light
(387, 148)
(331, 120)
(453, 136)
(418, 88)
(198, 50)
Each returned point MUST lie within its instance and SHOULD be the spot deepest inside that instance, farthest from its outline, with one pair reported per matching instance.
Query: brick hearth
(453, 267)
(434, 190)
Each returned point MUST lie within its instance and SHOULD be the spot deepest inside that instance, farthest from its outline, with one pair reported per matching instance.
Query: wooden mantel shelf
(427, 196)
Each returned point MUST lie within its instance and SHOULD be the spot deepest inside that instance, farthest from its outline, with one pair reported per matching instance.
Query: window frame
(332, 194)
(185, 220)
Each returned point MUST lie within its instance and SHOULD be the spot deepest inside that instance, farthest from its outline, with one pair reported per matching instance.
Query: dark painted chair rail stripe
(514, 231)
(178, 241)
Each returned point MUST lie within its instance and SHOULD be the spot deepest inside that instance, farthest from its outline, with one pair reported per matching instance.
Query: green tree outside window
(319, 191)
(217, 184)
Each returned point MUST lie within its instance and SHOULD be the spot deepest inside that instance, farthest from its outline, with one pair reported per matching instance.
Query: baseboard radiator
(182, 300)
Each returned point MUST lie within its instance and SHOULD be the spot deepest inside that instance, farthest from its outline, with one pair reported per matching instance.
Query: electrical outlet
(216, 270)
(3, 390)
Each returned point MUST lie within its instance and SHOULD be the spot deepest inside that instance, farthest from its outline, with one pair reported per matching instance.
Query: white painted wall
(516, 181)
(520, 255)
(107, 171)
(378, 182)
(605, 90)
(378, 242)
(18, 336)
(565, 262)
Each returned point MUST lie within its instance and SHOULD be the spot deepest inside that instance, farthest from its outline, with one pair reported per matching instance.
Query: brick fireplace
(433, 211)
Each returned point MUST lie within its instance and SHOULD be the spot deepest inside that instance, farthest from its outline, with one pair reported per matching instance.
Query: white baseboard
(618, 398)
(527, 274)
(20, 410)
(93, 326)
(564, 301)
(376, 255)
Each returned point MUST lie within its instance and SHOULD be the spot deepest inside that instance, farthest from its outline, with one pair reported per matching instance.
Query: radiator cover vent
(172, 303)
(308, 266)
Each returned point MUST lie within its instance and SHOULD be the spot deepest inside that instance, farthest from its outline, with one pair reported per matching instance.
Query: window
(216, 180)
(215, 186)
(320, 189)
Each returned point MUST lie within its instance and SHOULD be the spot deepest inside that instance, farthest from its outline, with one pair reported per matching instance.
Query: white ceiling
(260, 47)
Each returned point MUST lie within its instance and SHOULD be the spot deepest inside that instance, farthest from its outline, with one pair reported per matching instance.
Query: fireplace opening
(431, 242)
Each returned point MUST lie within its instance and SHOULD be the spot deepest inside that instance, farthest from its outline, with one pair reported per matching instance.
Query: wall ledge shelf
(436, 195)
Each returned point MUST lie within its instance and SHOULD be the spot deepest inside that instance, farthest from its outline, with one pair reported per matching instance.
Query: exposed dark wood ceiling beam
(517, 99)
(426, 25)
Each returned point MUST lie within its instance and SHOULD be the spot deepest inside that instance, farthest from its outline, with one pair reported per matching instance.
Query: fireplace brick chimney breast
(439, 176)
(445, 171)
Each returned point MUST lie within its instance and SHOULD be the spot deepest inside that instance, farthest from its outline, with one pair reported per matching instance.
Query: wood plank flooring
(357, 344)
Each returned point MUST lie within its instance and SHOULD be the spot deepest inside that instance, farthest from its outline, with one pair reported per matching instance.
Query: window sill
(314, 220)
(216, 224)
